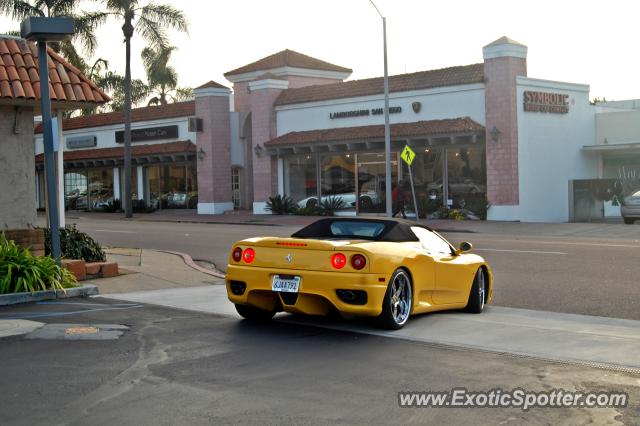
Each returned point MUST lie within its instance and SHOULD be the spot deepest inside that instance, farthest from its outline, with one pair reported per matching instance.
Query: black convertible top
(394, 230)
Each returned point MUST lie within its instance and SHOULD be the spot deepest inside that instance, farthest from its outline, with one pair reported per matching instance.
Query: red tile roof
(212, 84)
(397, 83)
(376, 132)
(177, 109)
(20, 80)
(288, 58)
(118, 152)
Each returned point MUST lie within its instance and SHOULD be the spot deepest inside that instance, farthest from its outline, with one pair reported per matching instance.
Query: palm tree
(85, 24)
(162, 78)
(151, 21)
(113, 83)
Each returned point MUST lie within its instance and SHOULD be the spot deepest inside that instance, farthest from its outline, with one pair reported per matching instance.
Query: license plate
(285, 285)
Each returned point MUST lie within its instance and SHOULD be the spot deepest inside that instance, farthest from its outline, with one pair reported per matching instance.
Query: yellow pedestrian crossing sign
(408, 155)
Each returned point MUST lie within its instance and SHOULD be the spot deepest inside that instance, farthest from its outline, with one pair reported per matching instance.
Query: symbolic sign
(408, 155)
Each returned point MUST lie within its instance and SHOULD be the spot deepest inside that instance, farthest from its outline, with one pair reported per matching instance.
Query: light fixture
(201, 154)
(259, 150)
(495, 134)
(427, 150)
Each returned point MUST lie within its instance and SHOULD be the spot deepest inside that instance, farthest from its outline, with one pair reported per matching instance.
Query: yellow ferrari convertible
(389, 269)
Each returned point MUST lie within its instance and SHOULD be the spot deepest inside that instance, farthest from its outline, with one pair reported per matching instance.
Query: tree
(113, 83)
(151, 21)
(85, 24)
(162, 78)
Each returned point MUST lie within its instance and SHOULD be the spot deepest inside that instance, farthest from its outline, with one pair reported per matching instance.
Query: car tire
(254, 314)
(477, 295)
(398, 301)
(629, 220)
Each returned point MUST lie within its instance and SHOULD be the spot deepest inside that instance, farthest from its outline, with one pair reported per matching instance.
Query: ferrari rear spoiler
(295, 243)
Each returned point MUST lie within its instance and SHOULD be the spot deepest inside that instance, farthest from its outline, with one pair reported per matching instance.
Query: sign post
(408, 156)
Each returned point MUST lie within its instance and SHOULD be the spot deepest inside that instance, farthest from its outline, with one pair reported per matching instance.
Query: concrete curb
(37, 296)
(189, 262)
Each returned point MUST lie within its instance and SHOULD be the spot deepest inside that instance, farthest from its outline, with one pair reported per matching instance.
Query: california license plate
(289, 284)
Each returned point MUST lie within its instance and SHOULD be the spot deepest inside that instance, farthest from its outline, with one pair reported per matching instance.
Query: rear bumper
(317, 292)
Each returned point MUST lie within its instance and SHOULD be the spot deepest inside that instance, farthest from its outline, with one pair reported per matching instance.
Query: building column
(116, 183)
(213, 146)
(263, 94)
(58, 134)
(140, 182)
(504, 60)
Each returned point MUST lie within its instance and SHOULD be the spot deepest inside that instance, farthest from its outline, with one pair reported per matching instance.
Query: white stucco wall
(438, 103)
(550, 151)
(106, 135)
(620, 127)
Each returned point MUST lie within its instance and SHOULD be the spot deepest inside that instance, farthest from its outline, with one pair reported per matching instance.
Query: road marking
(115, 232)
(566, 243)
(521, 251)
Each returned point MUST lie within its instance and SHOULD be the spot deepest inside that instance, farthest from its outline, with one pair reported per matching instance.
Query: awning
(432, 132)
(140, 154)
(615, 148)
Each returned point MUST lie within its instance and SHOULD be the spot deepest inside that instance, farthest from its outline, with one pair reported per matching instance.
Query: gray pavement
(547, 335)
(534, 268)
(175, 367)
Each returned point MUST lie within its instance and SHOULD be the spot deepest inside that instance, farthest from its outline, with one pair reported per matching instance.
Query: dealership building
(485, 136)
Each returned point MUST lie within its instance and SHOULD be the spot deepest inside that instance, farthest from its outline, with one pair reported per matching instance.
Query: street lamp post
(387, 129)
(42, 30)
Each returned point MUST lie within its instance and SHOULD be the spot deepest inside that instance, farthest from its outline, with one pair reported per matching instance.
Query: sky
(589, 42)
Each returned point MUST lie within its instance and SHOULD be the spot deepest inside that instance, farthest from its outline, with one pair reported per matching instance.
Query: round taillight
(358, 261)
(338, 260)
(248, 255)
(237, 254)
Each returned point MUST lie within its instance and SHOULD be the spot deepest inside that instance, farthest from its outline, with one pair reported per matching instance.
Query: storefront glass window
(154, 186)
(467, 179)
(338, 178)
(100, 188)
(371, 181)
(75, 190)
(174, 187)
(300, 181)
(428, 176)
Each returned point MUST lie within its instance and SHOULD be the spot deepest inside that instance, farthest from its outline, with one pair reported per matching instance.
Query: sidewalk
(596, 230)
(143, 270)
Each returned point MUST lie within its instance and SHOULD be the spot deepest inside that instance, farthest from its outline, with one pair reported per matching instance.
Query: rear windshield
(356, 229)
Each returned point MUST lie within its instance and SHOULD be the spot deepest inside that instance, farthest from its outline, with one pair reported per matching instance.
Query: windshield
(356, 229)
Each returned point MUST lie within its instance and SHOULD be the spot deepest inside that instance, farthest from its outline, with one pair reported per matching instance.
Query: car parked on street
(630, 208)
(384, 268)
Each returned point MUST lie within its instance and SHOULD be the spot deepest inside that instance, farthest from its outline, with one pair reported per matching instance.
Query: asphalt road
(561, 274)
(178, 367)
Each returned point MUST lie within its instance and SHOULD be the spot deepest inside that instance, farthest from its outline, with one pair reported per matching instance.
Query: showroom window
(338, 179)
(300, 180)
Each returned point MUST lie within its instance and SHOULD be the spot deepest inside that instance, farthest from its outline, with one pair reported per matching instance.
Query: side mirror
(464, 247)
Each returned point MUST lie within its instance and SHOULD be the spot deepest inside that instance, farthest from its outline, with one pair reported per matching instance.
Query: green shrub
(76, 245)
(331, 204)
(20, 271)
(308, 211)
(281, 204)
